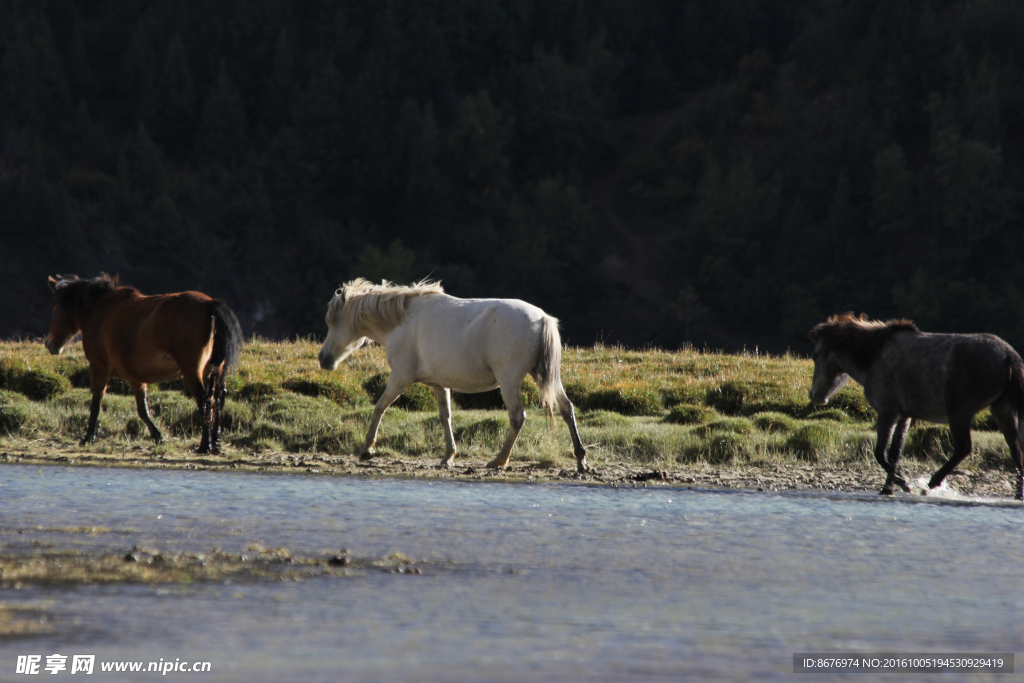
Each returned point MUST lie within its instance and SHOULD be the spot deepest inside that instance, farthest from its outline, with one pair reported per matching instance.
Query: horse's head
(342, 339)
(828, 376)
(74, 301)
(846, 345)
(64, 325)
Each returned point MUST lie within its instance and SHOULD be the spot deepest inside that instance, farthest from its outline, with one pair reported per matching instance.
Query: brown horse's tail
(549, 366)
(227, 337)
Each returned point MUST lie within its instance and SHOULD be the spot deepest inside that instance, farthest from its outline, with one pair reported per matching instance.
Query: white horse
(469, 345)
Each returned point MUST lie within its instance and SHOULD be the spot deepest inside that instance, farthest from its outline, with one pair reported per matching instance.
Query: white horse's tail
(548, 369)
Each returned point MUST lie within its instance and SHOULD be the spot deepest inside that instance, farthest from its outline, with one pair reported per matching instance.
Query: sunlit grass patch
(990, 451)
(928, 443)
(601, 418)
(775, 422)
(416, 396)
(644, 441)
(328, 386)
(17, 413)
(623, 399)
(812, 442)
(725, 425)
(650, 407)
(690, 415)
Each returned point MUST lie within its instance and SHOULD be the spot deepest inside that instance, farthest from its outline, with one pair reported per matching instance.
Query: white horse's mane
(360, 301)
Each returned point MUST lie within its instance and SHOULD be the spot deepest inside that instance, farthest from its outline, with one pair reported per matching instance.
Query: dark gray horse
(908, 374)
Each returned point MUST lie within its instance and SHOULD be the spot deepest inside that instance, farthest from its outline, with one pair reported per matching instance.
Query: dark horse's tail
(1015, 391)
(227, 337)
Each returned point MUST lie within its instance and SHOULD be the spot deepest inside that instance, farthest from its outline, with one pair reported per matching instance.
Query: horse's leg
(198, 390)
(960, 428)
(218, 411)
(142, 406)
(516, 419)
(899, 435)
(886, 424)
(444, 409)
(98, 377)
(207, 413)
(392, 391)
(1009, 425)
(569, 415)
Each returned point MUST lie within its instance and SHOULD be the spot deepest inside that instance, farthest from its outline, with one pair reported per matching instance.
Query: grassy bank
(651, 408)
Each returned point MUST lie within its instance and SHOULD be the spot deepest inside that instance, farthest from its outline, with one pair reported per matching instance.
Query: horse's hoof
(886, 491)
(365, 456)
(447, 463)
(497, 464)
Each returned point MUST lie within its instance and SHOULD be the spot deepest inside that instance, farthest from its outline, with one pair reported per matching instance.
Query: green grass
(650, 407)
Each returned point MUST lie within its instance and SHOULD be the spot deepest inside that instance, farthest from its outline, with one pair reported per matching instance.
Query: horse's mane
(77, 294)
(859, 337)
(361, 301)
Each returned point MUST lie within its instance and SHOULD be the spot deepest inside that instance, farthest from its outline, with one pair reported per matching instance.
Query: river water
(540, 582)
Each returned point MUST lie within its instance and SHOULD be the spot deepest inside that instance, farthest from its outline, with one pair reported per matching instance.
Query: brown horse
(145, 339)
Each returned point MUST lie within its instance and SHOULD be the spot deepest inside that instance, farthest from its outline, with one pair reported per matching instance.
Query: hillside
(652, 173)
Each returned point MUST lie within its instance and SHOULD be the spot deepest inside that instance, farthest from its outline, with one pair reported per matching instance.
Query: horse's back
(164, 319)
(146, 337)
(472, 341)
(927, 374)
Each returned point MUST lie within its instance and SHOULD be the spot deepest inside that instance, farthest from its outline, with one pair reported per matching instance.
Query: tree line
(665, 171)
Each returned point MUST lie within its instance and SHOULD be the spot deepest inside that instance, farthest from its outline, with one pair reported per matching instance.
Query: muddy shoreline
(864, 478)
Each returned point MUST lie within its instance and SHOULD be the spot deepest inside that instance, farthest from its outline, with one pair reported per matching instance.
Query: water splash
(946, 492)
(943, 491)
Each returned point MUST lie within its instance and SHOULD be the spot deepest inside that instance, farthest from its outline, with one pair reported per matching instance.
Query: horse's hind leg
(1009, 425)
(569, 415)
(516, 420)
(142, 406)
(218, 413)
(208, 411)
(960, 428)
(444, 409)
(202, 395)
(214, 406)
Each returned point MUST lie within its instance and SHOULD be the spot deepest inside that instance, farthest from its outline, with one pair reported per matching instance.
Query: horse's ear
(52, 281)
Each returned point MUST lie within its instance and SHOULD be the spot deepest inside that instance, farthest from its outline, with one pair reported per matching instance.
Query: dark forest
(652, 172)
